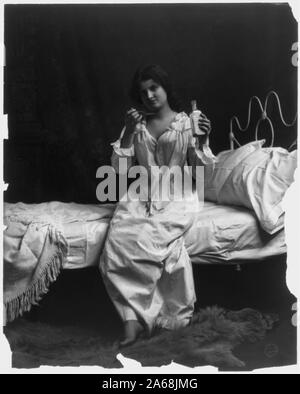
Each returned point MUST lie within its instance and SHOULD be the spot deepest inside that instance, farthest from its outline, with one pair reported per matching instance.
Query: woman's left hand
(205, 128)
(204, 124)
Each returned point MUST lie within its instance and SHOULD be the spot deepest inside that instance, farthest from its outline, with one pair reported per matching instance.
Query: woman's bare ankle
(132, 330)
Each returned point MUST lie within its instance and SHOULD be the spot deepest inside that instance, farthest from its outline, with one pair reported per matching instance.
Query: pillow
(259, 182)
(226, 162)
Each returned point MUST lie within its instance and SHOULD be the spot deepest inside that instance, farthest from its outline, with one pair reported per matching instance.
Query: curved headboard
(264, 117)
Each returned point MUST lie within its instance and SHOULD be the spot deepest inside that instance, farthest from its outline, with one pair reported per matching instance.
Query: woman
(145, 265)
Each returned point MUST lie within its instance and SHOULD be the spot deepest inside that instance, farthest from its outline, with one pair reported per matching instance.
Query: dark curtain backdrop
(69, 67)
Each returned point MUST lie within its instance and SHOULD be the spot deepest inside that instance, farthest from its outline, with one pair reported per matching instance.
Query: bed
(236, 224)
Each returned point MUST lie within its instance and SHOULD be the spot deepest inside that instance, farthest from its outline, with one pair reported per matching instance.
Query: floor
(261, 286)
(78, 298)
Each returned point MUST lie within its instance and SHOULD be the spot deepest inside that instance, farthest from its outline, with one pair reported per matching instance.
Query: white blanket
(34, 252)
(221, 234)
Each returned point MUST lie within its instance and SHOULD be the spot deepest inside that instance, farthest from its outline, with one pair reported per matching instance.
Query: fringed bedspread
(34, 252)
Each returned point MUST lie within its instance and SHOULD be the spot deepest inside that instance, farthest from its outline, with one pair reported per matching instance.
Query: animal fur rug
(209, 340)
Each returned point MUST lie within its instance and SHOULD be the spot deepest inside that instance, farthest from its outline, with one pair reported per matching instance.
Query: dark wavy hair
(160, 76)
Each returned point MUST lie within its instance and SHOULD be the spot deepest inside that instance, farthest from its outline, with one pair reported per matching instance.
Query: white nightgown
(144, 264)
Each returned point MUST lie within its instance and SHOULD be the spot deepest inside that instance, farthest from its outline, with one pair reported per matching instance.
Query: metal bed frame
(264, 117)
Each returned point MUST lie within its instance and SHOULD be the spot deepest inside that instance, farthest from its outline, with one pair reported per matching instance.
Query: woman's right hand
(132, 119)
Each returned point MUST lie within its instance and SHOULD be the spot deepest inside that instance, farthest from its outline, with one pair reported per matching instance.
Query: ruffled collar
(175, 125)
(181, 116)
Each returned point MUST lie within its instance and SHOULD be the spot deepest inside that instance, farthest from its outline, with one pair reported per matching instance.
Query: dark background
(69, 67)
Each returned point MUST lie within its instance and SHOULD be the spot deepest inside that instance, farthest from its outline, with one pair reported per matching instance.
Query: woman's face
(153, 95)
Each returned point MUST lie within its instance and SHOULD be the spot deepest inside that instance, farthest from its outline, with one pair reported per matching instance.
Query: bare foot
(132, 330)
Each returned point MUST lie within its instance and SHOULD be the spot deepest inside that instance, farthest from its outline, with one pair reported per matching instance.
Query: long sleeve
(124, 153)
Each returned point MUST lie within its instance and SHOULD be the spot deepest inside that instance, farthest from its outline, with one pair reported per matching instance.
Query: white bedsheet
(225, 233)
(221, 233)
